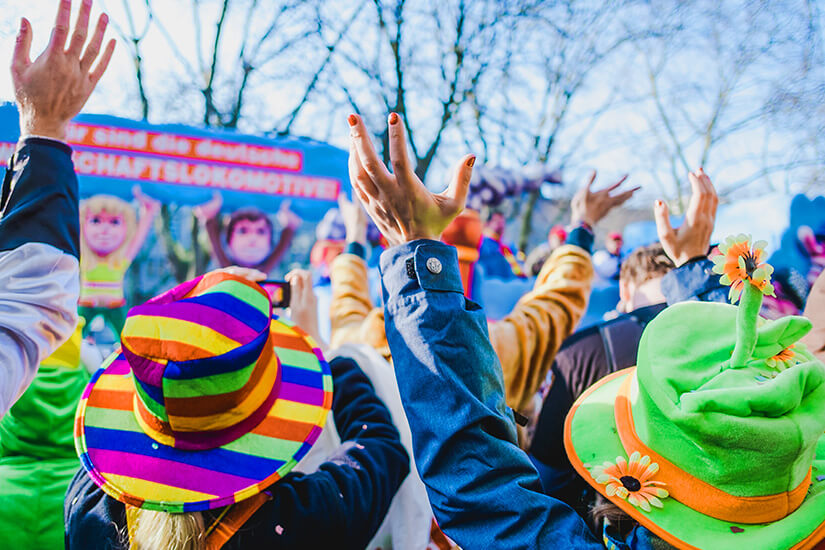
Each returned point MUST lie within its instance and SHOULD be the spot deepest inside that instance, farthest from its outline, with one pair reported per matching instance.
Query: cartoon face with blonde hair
(106, 221)
(111, 233)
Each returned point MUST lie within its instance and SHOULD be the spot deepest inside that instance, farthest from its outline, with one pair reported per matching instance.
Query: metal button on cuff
(434, 266)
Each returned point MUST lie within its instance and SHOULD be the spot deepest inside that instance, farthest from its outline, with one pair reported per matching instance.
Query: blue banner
(185, 165)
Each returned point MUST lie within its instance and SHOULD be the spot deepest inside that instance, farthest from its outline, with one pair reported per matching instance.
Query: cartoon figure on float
(249, 235)
(111, 235)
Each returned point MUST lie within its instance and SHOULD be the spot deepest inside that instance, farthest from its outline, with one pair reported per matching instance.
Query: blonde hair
(150, 530)
(112, 205)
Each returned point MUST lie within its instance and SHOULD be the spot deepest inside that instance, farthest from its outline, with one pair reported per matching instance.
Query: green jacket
(38, 459)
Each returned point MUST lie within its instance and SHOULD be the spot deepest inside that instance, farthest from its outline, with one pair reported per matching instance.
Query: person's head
(641, 276)
(105, 224)
(557, 236)
(496, 223)
(464, 231)
(200, 433)
(613, 243)
(249, 236)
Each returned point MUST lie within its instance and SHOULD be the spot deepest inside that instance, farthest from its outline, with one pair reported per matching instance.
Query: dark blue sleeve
(39, 198)
(345, 501)
(484, 491)
(581, 237)
(694, 280)
(91, 519)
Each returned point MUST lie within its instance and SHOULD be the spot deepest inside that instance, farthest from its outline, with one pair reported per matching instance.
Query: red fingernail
(393, 118)
(22, 24)
(352, 119)
(471, 161)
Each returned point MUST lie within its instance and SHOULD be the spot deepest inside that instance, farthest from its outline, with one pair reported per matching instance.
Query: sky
(610, 147)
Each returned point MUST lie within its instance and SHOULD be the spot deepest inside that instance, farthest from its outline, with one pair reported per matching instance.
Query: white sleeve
(39, 286)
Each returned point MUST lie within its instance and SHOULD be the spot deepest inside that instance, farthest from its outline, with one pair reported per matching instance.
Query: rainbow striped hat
(210, 400)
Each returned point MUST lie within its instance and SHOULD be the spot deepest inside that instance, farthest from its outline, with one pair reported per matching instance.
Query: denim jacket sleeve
(483, 489)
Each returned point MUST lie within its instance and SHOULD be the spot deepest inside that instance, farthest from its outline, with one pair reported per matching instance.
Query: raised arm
(39, 227)
(353, 317)
(207, 213)
(688, 246)
(482, 487)
(527, 340)
(148, 209)
(289, 224)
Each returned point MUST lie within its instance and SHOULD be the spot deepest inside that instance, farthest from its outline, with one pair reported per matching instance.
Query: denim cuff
(422, 264)
(694, 280)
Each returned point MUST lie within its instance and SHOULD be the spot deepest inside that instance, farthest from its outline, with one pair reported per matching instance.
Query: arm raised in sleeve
(527, 340)
(354, 319)
(39, 270)
(484, 491)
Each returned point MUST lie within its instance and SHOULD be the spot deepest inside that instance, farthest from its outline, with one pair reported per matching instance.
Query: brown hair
(250, 214)
(603, 511)
(645, 263)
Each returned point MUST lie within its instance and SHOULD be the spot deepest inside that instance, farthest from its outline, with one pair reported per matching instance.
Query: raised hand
(148, 205)
(355, 220)
(692, 239)
(591, 206)
(303, 304)
(51, 90)
(286, 217)
(209, 210)
(399, 204)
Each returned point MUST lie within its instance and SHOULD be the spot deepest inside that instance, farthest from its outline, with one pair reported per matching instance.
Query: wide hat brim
(135, 469)
(591, 438)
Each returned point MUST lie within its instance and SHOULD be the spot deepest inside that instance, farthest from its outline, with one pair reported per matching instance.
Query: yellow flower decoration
(632, 481)
(741, 262)
(784, 359)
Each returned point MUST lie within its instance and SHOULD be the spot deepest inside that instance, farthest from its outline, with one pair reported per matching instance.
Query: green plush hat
(715, 438)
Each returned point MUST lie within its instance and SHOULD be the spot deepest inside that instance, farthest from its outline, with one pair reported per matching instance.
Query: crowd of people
(223, 421)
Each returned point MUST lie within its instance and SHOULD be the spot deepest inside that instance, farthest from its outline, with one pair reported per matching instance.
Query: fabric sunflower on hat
(632, 480)
(741, 266)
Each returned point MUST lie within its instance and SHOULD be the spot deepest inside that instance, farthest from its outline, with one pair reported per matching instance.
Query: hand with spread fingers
(590, 206)
(209, 210)
(53, 89)
(286, 217)
(692, 239)
(399, 204)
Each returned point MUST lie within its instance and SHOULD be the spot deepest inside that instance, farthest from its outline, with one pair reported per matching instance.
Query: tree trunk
(527, 220)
